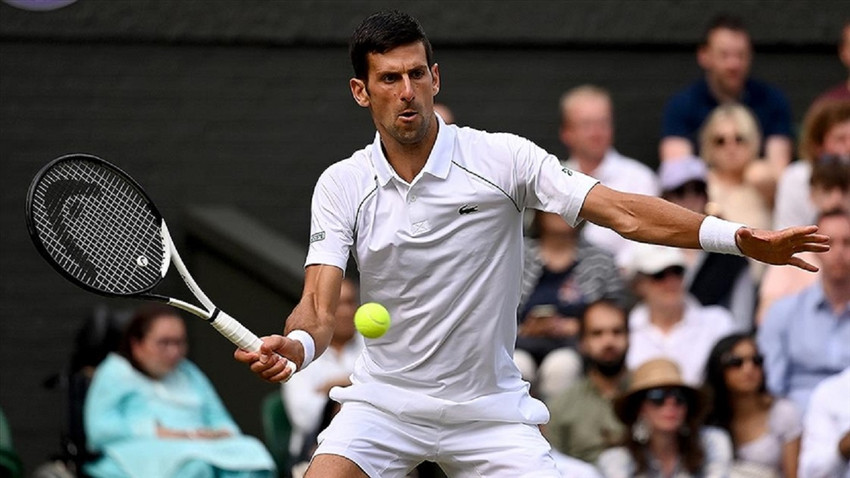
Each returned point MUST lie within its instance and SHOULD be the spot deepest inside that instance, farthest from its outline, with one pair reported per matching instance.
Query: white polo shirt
(444, 255)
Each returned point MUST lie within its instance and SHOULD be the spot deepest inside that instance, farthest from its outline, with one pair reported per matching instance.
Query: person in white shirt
(825, 451)
(668, 322)
(306, 394)
(433, 216)
(587, 130)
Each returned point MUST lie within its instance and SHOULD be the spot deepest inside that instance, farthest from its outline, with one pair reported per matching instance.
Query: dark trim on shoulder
(490, 183)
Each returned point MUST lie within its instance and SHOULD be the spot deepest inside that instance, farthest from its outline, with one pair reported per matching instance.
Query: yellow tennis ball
(372, 320)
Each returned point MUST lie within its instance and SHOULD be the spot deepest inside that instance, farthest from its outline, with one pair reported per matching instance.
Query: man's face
(588, 128)
(664, 289)
(726, 60)
(399, 92)
(835, 263)
(345, 309)
(605, 337)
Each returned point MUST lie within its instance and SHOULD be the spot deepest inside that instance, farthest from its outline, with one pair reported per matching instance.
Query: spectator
(826, 439)
(151, 412)
(668, 322)
(712, 278)
(805, 337)
(825, 131)
(562, 275)
(725, 54)
(765, 430)
(587, 130)
(841, 91)
(306, 394)
(664, 416)
(583, 423)
(830, 189)
(729, 144)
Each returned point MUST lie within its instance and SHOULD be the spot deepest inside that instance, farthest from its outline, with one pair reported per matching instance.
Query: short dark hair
(380, 33)
(830, 172)
(723, 21)
(611, 303)
(836, 212)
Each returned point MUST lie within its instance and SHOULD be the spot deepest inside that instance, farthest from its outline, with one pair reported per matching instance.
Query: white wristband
(306, 342)
(717, 235)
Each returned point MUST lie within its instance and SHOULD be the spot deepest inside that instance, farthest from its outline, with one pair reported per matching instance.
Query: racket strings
(98, 227)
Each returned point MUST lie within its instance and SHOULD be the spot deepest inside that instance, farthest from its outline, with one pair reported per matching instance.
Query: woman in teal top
(150, 412)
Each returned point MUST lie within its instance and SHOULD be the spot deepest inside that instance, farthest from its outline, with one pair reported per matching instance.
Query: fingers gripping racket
(96, 226)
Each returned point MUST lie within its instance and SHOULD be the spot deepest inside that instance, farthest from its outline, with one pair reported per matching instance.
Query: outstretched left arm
(654, 220)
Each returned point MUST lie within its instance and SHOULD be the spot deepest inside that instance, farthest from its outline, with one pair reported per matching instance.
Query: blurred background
(227, 111)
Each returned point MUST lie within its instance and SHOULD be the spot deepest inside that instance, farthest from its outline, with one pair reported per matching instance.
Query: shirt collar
(438, 163)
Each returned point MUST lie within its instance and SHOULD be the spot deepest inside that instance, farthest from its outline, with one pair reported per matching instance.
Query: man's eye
(417, 74)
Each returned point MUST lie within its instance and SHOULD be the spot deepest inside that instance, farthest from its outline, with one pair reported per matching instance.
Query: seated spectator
(583, 423)
(563, 274)
(825, 131)
(587, 131)
(306, 393)
(725, 55)
(712, 278)
(668, 322)
(826, 439)
(666, 435)
(830, 190)
(151, 412)
(805, 337)
(842, 90)
(765, 430)
(729, 142)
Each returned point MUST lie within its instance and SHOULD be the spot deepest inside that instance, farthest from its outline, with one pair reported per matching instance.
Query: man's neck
(665, 318)
(588, 165)
(607, 386)
(837, 293)
(721, 95)
(408, 159)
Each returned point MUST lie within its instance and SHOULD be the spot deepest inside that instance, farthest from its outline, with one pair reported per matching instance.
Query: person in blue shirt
(151, 412)
(725, 55)
(806, 337)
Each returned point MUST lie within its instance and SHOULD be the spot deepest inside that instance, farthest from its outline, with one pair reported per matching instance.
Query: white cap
(650, 259)
(675, 172)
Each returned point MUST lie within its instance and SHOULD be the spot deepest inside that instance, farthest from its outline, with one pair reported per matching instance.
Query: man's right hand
(270, 363)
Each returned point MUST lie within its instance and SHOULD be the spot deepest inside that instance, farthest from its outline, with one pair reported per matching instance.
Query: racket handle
(241, 336)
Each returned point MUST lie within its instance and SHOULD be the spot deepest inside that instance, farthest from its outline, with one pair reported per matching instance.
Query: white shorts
(385, 447)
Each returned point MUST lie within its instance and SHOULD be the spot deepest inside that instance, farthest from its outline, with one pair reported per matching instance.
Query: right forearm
(314, 314)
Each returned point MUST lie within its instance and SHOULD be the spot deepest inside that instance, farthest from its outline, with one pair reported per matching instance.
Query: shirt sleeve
(674, 121)
(771, 341)
(718, 453)
(780, 123)
(819, 457)
(786, 421)
(547, 185)
(331, 224)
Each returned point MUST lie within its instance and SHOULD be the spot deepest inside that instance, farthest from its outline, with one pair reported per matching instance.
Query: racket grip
(241, 336)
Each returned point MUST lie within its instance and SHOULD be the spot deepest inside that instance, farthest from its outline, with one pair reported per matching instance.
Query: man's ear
(702, 57)
(435, 78)
(359, 92)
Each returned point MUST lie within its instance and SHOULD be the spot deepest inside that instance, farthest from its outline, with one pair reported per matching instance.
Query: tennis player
(433, 216)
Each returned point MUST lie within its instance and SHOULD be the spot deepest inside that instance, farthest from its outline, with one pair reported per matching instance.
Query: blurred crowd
(653, 361)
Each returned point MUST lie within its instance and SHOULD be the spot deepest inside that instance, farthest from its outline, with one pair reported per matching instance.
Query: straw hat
(656, 373)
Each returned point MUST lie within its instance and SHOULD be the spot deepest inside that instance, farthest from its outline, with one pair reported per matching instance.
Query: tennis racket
(96, 225)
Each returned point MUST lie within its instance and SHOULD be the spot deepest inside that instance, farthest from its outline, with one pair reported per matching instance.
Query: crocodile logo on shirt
(468, 209)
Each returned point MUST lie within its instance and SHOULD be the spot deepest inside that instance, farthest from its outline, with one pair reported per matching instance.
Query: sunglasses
(658, 396)
(677, 271)
(735, 361)
(722, 140)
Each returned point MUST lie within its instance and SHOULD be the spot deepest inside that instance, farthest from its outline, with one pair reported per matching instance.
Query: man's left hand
(781, 247)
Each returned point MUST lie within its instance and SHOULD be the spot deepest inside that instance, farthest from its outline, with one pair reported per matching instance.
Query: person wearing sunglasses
(765, 430)
(713, 279)
(739, 187)
(668, 322)
(666, 435)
